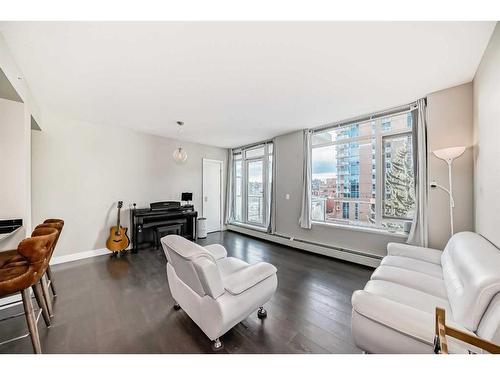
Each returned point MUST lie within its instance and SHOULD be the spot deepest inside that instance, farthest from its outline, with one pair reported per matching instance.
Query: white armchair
(216, 291)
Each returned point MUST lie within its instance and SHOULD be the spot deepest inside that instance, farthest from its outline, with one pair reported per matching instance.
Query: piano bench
(174, 228)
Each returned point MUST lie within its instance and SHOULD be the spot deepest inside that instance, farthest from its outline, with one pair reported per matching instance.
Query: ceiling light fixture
(180, 155)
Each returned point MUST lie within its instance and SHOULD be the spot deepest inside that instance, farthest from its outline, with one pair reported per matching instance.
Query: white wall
(80, 170)
(14, 168)
(487, 142)
(449, 115)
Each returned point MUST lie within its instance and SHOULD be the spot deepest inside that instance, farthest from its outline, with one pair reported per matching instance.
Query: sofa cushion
(471, 272)
(421, 266)
(415, 252)
(412, 279)
(407, 296)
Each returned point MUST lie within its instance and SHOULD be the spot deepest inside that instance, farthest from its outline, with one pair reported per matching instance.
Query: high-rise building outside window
(362, 172)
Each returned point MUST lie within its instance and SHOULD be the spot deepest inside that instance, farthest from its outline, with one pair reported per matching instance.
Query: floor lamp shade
(449, 153)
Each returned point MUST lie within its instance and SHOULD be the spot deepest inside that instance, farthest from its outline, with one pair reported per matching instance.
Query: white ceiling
(234, 83)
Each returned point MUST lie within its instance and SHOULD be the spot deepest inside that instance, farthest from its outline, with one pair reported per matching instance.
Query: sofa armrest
(401, 318)
(416, 252)
(217, 251)
(248, 277)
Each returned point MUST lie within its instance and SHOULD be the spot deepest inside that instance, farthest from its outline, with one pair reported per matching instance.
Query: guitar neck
(118, 219)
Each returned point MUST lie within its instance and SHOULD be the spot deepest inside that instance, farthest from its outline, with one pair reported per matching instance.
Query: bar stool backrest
(37, 248)
(56, 224)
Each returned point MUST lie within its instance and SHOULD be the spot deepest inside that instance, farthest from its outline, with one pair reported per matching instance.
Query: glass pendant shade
(180, 155)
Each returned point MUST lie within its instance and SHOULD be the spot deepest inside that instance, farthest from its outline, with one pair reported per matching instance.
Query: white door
(212, 194)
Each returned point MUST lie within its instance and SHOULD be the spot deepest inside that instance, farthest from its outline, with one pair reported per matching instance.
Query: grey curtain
(271, 228)
(305, 215)
(229, 189)
(419, 229)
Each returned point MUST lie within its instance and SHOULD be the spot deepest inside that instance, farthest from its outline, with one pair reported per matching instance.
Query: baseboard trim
(78, 256)
(348, 255)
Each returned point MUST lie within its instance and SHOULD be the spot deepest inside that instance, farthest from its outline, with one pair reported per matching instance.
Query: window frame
(376, 121)
(266, 184)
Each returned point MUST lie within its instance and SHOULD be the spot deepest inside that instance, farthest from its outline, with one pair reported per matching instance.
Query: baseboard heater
(354, 256)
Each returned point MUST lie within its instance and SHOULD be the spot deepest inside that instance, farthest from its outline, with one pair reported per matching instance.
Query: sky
(255, 172)
(325, 165)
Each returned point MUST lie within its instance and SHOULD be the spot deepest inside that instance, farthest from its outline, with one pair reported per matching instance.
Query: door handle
(205, 199)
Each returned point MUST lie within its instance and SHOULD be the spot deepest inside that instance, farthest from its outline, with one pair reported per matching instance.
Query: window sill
(362, 229)
(249, 226)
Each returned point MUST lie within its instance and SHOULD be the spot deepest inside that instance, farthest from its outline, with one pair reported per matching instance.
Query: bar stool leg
(31, 321)
(40, 300)
(46, 295)
(51, 278)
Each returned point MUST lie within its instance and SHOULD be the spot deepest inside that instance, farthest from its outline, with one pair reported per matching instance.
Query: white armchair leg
(217, 345)
(262, 313)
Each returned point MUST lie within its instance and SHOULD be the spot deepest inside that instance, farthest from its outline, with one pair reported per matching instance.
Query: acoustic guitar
(118, 239)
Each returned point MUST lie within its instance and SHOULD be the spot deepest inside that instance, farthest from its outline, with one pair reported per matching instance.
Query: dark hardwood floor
(123, 305)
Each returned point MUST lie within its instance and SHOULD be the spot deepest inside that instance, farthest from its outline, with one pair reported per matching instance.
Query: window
(252, 176)
(363, 173)
(345, 210)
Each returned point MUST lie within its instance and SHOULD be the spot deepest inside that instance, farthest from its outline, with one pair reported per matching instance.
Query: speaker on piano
(187, 197)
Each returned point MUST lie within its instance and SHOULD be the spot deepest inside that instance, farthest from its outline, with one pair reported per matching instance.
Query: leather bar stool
(40, 230)
(56, 224)
(22, 271)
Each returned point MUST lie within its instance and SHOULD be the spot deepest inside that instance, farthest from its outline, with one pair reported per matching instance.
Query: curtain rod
(386, 112)
(251, 145)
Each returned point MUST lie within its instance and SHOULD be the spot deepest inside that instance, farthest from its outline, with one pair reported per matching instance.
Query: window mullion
(378, 175)
(265, 161)
(244, 192)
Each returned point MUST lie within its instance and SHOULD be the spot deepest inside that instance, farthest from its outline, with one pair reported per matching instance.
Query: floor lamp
(448, 155)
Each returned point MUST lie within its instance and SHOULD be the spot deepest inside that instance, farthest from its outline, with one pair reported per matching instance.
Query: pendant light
(180, 155)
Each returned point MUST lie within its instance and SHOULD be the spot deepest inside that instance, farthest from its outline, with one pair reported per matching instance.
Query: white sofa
(395, 311)
(216, 291)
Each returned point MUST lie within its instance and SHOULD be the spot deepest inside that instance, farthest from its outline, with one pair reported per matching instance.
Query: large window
(252, 184)
(363, 173)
